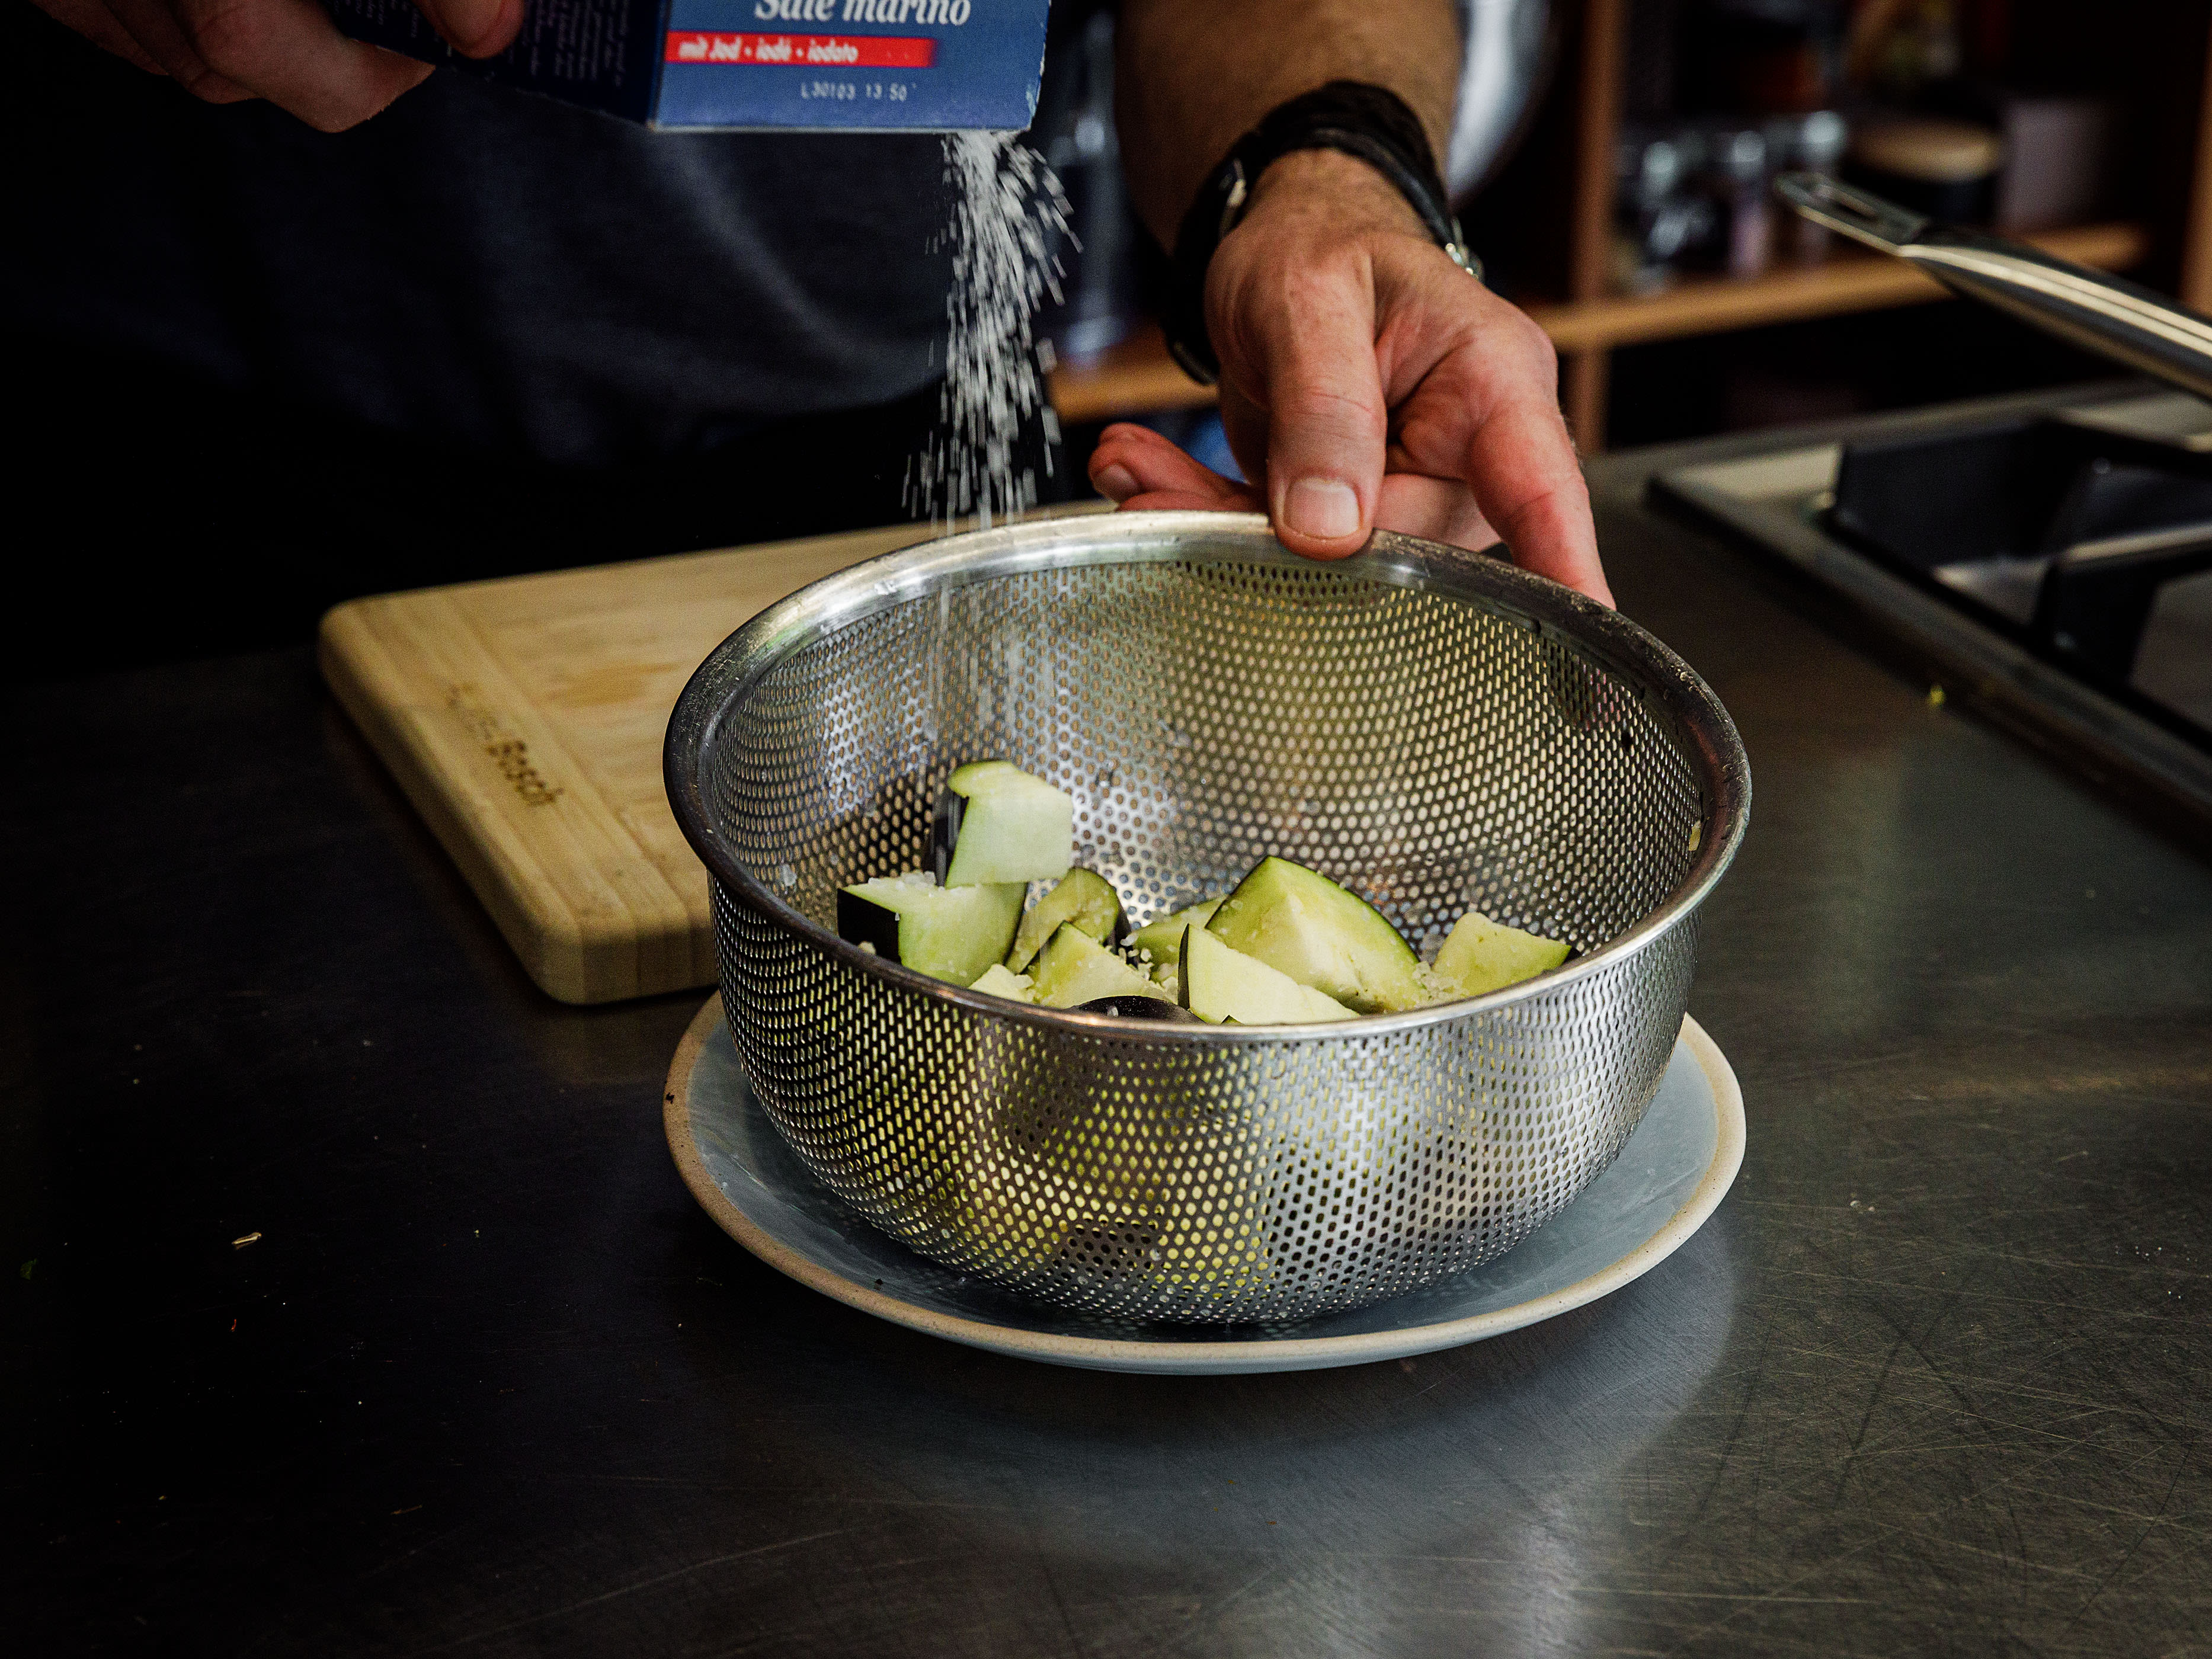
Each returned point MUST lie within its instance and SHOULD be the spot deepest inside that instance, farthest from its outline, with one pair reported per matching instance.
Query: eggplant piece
(1482, 955)
(1301, 923)
(1074, 968)
(1223, 986)
(995, 822)
(948, 932)
(1085, 901)
(1160, 937)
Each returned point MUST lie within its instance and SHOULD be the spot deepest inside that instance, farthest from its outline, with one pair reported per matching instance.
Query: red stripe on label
(803, 50)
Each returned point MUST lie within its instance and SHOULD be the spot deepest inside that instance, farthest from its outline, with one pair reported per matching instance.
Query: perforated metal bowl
(1435, 728)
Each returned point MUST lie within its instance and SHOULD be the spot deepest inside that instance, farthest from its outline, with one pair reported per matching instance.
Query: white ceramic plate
(1671, 1175)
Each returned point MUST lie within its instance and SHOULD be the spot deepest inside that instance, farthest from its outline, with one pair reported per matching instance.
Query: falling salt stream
(1008, 215)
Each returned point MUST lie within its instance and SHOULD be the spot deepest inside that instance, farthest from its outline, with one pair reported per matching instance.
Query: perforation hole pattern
(1434, 753)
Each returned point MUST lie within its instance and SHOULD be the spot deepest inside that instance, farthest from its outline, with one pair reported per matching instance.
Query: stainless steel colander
(1434, 728)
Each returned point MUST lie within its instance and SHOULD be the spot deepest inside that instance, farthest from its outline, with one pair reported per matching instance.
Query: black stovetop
(2056, 561)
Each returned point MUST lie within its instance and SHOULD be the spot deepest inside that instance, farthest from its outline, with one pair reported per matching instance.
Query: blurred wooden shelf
(1848, 280)
(1138, 376)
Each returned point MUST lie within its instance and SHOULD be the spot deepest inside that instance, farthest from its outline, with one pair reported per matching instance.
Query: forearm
(1194, 75)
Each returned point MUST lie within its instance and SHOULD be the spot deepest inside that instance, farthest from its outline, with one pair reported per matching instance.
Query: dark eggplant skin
(859, 922)
(944, 834)
(1139, 1007)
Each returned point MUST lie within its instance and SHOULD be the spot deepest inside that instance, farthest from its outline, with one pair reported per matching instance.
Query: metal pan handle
(2105, 314)
(1863, 218)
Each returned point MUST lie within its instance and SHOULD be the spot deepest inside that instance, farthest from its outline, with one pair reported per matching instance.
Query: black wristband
(1369, 122)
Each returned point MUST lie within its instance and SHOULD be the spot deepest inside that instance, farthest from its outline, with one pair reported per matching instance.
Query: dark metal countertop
(1934, 1380)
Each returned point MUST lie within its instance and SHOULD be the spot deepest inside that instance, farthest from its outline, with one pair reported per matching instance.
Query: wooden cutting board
(524, 718)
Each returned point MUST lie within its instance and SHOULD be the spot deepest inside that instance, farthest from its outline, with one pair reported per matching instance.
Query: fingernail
(467, 21)
(1116, 483)
(1323, 508)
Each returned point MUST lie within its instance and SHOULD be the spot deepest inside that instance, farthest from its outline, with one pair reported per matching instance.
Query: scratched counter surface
(353, 1304)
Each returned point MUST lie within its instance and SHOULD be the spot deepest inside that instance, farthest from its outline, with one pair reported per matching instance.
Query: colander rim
(1702, 726)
